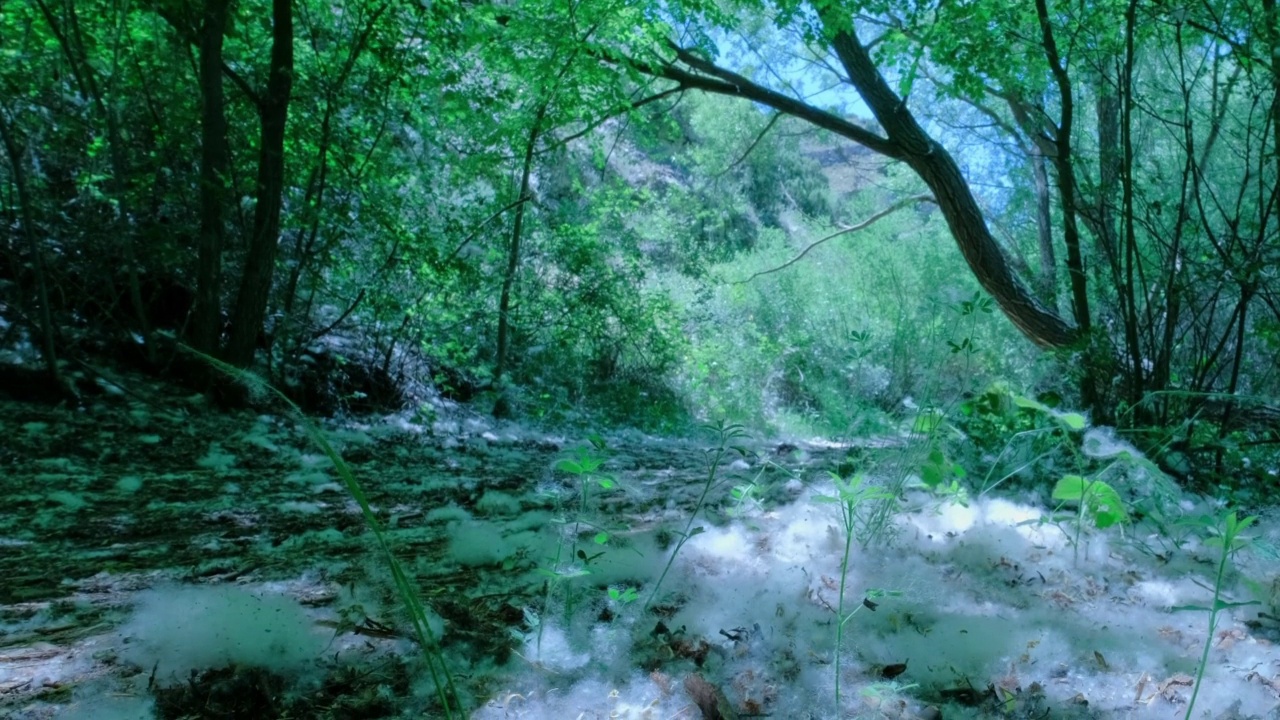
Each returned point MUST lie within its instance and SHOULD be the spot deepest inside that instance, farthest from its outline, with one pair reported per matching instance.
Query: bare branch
(747, 153)
(709, 77)
(843, 231)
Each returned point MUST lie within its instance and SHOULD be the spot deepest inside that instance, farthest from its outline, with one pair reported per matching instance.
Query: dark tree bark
(939, 171)
(45, 331)
(904, 140)
(1064, 164)
(1024, 132)
(255, 284)
(1130, 306)
(206, 316)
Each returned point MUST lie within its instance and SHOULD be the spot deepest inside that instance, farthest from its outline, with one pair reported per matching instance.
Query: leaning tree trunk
(964, 218)
(255, 285)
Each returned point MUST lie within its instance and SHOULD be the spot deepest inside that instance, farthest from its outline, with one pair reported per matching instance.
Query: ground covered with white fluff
(155, 557)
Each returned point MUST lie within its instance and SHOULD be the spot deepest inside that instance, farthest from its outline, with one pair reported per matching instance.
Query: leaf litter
(171, 561)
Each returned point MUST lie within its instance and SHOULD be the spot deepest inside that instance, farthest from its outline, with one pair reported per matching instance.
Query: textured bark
(1064, 165)
(255, 284)
(206, 316)
(939, 171)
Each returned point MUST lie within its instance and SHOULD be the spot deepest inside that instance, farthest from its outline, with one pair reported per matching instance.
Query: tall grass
(433, 654)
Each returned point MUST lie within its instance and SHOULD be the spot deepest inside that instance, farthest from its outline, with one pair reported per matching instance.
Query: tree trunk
(939, 171)
(206, 324)
(48, 348)
(313, 203)
(1064, 165)
(71, 41)
(255, 285)
(513, 250)
(1047, 279)
(1110, 162)
(1133, 345)
(907, 142)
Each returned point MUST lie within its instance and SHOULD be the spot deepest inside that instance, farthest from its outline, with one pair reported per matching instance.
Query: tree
(206, 323)
(259, 269)
(904, 139)
(45, 326)
(1142, 267)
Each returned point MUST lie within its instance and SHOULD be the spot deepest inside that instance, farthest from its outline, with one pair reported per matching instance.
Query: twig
(860, 226)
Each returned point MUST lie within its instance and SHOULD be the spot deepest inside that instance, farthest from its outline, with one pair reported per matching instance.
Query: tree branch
(747, 153)
(708, 77)
(843, 231)
(472, 235)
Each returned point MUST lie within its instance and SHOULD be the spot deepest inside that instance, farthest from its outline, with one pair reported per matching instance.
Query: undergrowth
(433, 654)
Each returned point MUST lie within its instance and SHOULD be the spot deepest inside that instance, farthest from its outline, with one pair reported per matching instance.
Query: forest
(910, 359)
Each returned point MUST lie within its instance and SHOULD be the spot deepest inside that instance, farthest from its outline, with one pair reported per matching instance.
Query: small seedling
(725, 434)
(1096, 501)
(1224, 534)
(850, 494)
(623, 595)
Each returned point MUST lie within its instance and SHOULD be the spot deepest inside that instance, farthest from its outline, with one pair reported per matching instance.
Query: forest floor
(162, 559)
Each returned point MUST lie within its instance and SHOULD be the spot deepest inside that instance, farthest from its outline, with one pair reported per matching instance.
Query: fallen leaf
(890, 672)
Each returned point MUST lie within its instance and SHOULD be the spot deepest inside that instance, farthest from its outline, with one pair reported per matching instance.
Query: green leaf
(1069, 489)
(931, 475)
(1224, 605)
(1101, 501)
(1072, 421)
(1026, 402)
(601, 538)
(572, 467)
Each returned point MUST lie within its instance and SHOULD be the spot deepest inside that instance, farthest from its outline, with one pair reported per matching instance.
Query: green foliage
(649, 288)
(576, 523)
(406, 590)
(852, 495)
(725, 434)
(833, 342)
(1099, 503)
(1223, 533)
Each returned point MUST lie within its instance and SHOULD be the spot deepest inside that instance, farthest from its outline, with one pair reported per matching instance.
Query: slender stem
(847, 510)
(688, 527)
(1228, 538)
